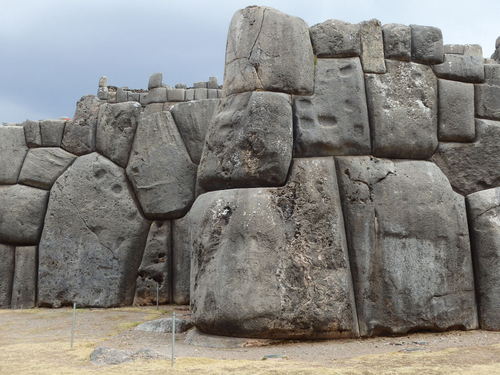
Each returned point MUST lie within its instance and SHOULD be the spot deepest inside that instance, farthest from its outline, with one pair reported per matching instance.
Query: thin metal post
(173, 338)
(157, 296)
(73, 325)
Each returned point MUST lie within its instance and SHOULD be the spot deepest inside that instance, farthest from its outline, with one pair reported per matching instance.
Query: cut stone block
(103, 93)
(200, 93)
(334, 38)
(156, 95)
(189, 94)
(456, 111)
(402, 105)
(212, 94)
(397, 41)
(487, 98)
(212, 83)
(372, 46)
(25, 278)
(155, 81)
(13, 150)
(455, 49)
(32, 133)
(426, 44)
(473, 50)
(461, 68)
(334, 121)
(103, 81)
(7, 261)
(121, 95)
(408, 245)
(492, 74)
(52, 132)
(175, 95)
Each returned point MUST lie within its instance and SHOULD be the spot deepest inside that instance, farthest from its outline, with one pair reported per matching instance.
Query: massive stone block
(397, 41)
(403, 111)
(155, 267)
(115, 130)
(272, 262)
(484, 218)
(487, 99)
(409, 246)
(461, 68)
(372, 46)
(7, 256)
(32, 133)
(51, 132)
(334, 121)
(43, 166)
(181, 258)
(160, 169)
(79, 133)
(268, 50)
(334, 38)
(93, 238)
(456, 111)
(25, 277)
(192, 119)
(249, 142)
(22, 209)
(13, 150)
(475, 166)
(426, 44)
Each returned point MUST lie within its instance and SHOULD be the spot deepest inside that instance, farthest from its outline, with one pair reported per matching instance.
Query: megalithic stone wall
(343, 182)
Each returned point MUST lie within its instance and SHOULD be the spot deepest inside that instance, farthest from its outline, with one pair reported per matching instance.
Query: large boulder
(160, 169)
(115, 130)
(272, 263)
(408, 245)
(43, 166)
(484, 219)
(79, 133)
(7, 262)
(13, 150)
(474, 166)
(403, 111)
(181, 260)
(93, 238)
(268, 50)
(333, 121)
(22, 212)
(25, 277)
(192, 119)
(249, 143)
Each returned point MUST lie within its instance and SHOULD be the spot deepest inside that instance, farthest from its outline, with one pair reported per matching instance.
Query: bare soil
(37, 341)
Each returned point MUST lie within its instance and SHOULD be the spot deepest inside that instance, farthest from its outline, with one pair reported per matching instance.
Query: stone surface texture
(372, 46)
(7, 257)
(13, 150)
(25, 278)
(487, 100)
(51, 132)
(181, 260)
(164, 325)
(32, 133)
(334, 38)
(397, 41)
(426, 44)
(461, 68)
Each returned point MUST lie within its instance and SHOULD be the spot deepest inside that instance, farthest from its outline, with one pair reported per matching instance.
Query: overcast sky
(54, 51)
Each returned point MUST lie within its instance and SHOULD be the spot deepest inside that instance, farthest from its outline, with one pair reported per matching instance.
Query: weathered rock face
(334, 121)
(93, 238)
(268, 50)
(52, 132)
(372, 46)
(397, 41)
(409, 246)
(273, 262)
(79, 134)
(249, 143)
(192, 120)
(487, 100)
(484, 218)
(115, 130)
(43, 166)
(426, 44)
(32, 133)
(403, 111)
(160, 169)
(475, 166)
(7, 262)
(334, 38)
(461, 68)
(155, 266)
(181, 258)
(22, 209)
(13, 150)
(25, 277)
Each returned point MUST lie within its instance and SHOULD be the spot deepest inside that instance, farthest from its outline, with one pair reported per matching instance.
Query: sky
(52, 52)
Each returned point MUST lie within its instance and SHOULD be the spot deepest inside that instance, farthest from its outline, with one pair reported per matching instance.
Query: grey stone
(402, 105)
(32, 133)
(156, 80)
(156, 95)
(121, 95)
(164, 325)
(409, 246)
(397, 41)
(484, 218)
(212, 83)
(181, 260)
(22, 211)
(268, 50)
(175, 95)
(475, 166)
(103, 81)
(200, 85)
(115, 130)
(154, 270)
(220, 93)
(249, 142)
(197, 338)
(456, 111)
(491, 74)
(212, 94)
(487, 100)
(192, 119)
(52, 132)
(200, 93)
(189, 94)
(160, 169)
(497, 42)
(334, 121)
(153, 108)
(103, 355)
(92, 242)
(455, 49)
(43, 166)
(426, 44)
(25, 277)
(133, 96)
(334, 38)
(272, 263)
(7, 256)
(13, 150)
(79, 133)
(103, 93)
(473, 50)
(372, 46)
(461, 68)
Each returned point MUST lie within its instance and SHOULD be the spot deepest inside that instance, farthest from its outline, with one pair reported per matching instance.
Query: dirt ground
(38, 342)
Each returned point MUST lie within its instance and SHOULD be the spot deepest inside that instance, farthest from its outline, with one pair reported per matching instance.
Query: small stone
(164, 325)
(397, 41)
(25, 278)
(334, 38)
(461, 68)
(156, 80)
(372, 46)
(103, 81)
(426, 44)
(32, 133)
(13, 150)
(454, 49)
(155, 95)
(473, 50)
(121, 95)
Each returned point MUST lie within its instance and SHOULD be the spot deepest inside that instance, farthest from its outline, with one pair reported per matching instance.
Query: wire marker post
(73, 325)
(173, 339)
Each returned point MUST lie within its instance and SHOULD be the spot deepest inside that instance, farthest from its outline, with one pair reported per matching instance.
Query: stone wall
(345, 182)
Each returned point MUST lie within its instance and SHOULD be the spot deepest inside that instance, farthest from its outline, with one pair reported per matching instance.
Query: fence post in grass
(173, 339)
(73, 324)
